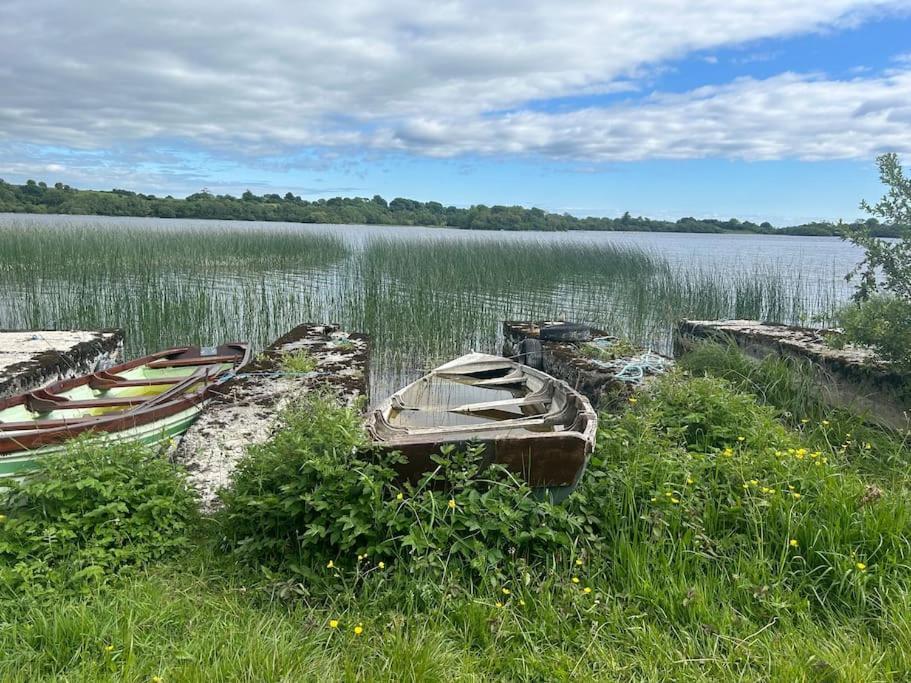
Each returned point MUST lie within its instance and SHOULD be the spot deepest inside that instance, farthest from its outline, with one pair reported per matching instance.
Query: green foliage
(883, 324)
(881, 318)
(90, 511)
(311, 496)
(63, 199)
(682, 572)
(298, 361)
(699, 484)
(786, 382)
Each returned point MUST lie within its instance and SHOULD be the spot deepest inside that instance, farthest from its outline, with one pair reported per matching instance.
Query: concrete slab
(851, 377)
(30, 359)
(591, 361)
(247, 409)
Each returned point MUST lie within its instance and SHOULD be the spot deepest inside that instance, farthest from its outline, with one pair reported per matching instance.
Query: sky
(756, 109)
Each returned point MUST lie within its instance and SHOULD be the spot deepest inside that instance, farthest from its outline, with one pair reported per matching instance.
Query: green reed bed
(433, 298)
(164, 287)
(421, 299)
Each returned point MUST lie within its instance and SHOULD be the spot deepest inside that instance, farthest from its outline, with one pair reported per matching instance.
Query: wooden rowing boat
(533, 424)
(148, 400)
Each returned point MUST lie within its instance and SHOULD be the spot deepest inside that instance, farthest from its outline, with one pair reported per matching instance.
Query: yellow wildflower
(861, 567)
(108, 648)
(506, 591)
(587, 590)
(796, 496)
(331, 565)
(381, 565)
(575, 579)
(2, 519)
(728, 452)
(358, 630)
(740, 438)
(794, 543)
(498, 604)
(675, 500)
(790, 487)
(333, 623)
(522, 602)
(689, 480)
(754, 482)
(157, 679)
(399, 496)
(804, 420)
(633, 400)
(825, 423)
(746, 486)
(579, 562)
(668, 494)
(361, 557)
(452, 504)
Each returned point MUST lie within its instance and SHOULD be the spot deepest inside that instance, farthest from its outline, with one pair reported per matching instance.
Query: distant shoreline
(38, 198)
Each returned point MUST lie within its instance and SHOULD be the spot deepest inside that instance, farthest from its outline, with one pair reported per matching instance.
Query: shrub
(313, 497)
(883, 324)
(881, 317)
(90, 511)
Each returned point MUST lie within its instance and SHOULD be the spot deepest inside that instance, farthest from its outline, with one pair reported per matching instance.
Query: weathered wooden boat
(533, 424)
(148, 400)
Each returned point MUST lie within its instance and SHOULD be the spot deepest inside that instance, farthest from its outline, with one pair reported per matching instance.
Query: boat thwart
(533, 424)
(147, 400)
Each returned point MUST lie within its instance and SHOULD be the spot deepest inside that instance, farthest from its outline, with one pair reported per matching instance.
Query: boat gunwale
(425, 436)
(152, 411)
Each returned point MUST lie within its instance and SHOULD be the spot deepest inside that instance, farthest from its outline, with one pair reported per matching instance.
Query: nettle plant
(92, 511)
(881, 314)
(315, 498)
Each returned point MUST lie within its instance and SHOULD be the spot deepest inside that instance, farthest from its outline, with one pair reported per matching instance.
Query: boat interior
(478, 397)
(106, 393)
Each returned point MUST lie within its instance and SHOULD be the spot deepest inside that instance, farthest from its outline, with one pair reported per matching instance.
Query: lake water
(418, 312)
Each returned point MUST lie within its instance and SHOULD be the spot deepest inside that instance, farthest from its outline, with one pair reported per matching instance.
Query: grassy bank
(717, 535)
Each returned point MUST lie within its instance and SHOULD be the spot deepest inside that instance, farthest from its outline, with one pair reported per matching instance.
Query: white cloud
(789, 116)
(430, 78)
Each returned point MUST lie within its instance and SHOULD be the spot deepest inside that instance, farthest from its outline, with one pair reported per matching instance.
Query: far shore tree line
(39, 197)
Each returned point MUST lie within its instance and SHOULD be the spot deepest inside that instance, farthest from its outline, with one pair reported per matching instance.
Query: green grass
(298, 361)
(685, 518)
(194, 624)
(791, 385)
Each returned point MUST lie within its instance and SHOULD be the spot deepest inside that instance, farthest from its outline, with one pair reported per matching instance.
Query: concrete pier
(602, 368)
(30, 359)
(850, 377)
(246, 409)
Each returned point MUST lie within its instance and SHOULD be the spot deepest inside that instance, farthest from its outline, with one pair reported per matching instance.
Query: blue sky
(763, 110)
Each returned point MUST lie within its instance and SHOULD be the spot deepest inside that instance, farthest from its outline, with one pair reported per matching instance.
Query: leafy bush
(883, 324)
(89, 511)
(312, 498)
(881, 317)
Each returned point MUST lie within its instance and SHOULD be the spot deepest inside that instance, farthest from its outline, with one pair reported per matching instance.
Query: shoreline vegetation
(194, 285)
(40, 198)
(729, 527)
